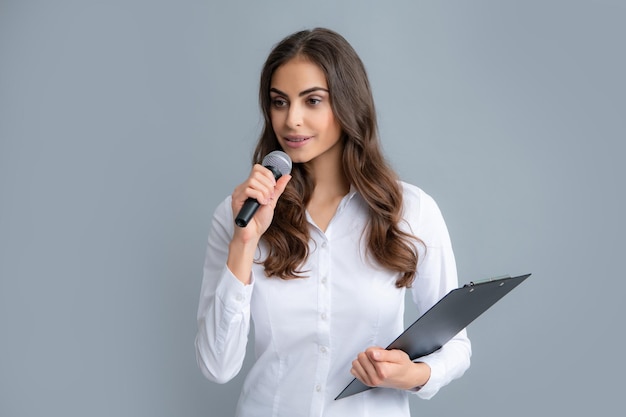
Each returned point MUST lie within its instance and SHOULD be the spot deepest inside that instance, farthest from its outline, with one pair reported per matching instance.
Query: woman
(323, 266)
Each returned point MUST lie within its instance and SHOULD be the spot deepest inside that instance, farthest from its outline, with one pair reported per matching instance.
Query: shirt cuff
(232, 293)
(437, 376)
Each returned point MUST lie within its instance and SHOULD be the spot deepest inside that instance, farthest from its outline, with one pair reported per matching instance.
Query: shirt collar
(347, 198)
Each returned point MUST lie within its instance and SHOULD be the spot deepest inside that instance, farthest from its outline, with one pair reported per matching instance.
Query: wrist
(240, 259)
(419, 376)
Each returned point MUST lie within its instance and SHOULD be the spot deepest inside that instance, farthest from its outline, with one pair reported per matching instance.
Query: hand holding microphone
(279, 164)
(253, 218)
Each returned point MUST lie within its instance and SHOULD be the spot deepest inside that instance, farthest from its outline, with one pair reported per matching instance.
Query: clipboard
(454, 312)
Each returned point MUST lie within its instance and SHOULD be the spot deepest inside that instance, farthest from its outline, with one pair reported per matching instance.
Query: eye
(314, 101)
(278, 102)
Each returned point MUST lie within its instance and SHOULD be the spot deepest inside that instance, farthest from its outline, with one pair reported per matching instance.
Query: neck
(330, 178)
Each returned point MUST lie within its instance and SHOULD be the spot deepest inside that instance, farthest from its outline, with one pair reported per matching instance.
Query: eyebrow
(302, 93)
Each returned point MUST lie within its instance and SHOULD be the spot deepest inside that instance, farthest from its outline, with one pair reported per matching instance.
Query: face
(301, 112)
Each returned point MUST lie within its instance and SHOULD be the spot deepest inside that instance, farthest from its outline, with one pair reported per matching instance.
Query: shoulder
(423, 216)
(417, 201)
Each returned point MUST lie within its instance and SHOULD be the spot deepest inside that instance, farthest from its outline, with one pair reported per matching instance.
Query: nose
(295, 116)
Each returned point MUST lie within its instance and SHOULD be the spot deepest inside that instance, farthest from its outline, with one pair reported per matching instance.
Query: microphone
(279, 163)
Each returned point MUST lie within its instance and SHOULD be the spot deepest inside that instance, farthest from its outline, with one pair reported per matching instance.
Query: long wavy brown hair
(364, 165)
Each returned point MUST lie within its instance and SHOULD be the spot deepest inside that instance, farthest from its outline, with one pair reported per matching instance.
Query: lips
(297, 139)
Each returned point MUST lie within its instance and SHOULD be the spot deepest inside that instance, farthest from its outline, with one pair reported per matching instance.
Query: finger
(275, 192)
(358, 372)
(369, 371)
(376, 357)
(384, 355)
(281, 184)
(259, 190)
(385, 361)
(245, 191)
(262, 178)
(259, 186)
(264, 174)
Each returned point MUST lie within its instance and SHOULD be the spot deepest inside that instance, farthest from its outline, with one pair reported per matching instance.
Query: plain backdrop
(123, 123)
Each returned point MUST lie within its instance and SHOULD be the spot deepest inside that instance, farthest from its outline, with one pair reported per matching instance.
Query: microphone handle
(247, 212)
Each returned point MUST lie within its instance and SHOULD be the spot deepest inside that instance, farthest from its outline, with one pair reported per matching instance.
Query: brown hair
(364, 165)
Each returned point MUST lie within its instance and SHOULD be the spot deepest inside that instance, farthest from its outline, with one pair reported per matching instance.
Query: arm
(227, 283)
(224, 307)
(436, 276)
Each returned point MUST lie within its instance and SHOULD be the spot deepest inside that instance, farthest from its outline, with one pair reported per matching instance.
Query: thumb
(281, 183)
(384, 355)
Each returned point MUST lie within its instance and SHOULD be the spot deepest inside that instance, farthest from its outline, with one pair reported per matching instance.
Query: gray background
(124, 123)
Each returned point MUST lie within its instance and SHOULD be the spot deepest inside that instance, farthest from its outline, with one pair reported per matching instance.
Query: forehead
(298, 74)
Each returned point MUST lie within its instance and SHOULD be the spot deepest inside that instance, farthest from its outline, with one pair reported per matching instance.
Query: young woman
(323, 266)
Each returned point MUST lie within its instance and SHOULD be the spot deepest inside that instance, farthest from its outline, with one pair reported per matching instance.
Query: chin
(298, 160)
(296, 157)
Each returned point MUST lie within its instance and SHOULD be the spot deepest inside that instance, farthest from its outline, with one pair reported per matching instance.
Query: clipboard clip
(502, 277)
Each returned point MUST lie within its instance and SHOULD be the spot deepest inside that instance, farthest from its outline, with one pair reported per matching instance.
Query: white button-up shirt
(308, 331)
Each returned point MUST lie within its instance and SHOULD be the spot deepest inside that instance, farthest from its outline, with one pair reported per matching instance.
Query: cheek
(326, 121)
(332, 126)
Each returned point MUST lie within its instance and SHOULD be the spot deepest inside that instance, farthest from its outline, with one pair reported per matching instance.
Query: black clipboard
(454, 312)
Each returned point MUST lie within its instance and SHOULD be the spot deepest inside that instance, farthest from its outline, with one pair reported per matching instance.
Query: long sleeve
(309, 330)
(224, 306)
(436, 276)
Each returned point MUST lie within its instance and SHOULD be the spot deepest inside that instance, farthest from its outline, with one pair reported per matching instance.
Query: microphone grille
(279, 160)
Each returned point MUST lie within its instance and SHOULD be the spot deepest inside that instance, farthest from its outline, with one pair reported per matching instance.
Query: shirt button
(323, 349)
(239, 297)
(324, 316)
(324, 244)
(324, 280)
(318, 388)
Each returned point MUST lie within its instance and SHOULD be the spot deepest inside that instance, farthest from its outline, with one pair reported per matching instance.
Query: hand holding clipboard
(454, 312)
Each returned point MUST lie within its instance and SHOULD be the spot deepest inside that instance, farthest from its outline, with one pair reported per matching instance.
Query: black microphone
(280, 164)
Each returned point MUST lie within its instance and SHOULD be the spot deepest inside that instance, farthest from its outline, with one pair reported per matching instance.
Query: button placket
(324, 317)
